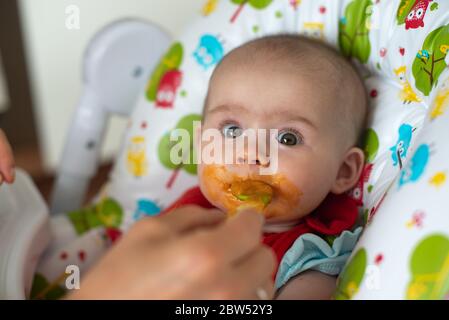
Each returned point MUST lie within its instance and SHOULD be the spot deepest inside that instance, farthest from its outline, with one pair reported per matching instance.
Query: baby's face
(310, 150)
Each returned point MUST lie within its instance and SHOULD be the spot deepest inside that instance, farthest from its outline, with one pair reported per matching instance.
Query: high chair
(399, 47)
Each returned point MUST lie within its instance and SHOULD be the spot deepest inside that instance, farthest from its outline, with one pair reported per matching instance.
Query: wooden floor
(29, 160)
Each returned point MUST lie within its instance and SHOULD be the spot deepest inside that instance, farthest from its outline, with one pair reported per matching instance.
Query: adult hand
(6, 160)
(189, 253)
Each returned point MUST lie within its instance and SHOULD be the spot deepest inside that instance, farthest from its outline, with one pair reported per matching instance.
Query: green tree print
(353, 35)
(165, 148)
(430, 62)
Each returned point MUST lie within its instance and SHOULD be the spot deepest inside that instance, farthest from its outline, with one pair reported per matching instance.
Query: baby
(317, 102)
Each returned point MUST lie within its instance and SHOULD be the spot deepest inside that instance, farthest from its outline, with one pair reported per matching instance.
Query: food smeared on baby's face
(271, 195)
(252, 193)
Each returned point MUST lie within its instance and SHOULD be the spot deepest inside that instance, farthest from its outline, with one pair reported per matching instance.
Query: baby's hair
(313, 58)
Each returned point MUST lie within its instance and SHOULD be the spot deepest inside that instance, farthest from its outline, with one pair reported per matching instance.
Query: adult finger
(190, 217)
(6, 159)
(229, 241)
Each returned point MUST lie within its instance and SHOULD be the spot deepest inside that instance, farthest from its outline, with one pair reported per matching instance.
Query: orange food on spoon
(254, 194)
(270, 195)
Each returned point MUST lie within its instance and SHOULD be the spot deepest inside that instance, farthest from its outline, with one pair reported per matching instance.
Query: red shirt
(334, 215)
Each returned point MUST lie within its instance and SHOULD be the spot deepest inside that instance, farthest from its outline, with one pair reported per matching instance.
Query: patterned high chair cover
(400, 48)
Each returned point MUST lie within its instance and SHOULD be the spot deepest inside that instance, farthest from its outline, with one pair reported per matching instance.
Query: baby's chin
(281, 204)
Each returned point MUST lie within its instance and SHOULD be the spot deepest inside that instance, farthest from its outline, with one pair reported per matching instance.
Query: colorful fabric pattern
(400, 47)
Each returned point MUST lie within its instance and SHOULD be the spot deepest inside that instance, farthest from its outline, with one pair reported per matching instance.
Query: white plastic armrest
(117, 65)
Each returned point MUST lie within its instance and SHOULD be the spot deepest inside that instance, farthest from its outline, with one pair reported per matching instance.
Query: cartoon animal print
(146, 207)
(416, 166)
(399, 150)
(415, 17)
(350, 279)
(167, 89)
(136, 158)
(407, 95)
(441, 101)
(357, 192)
(209, 51)
(423, 55)
(166, 77)
(314, 30)
(429, 268)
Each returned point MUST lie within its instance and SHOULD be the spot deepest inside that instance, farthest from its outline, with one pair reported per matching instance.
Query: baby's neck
(276, 227)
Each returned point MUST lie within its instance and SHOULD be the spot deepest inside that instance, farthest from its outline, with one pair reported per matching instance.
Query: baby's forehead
(295, 55)
(330, 77)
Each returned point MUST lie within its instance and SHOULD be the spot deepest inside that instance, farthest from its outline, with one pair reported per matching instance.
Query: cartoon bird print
(136, 157)
(314, 30)
(166, 92)
(209, 7)
(209, 51)
(416, 166)
(423, 55)
(399, 150)
(357, 192)
(441, 101)
(407, 95)
(415, 17)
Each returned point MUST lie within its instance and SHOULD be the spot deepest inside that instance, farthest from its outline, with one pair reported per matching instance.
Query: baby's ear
(349, 171)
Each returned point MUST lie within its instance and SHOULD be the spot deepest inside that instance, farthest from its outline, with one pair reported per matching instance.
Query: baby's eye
(289, 138)
(232, 131)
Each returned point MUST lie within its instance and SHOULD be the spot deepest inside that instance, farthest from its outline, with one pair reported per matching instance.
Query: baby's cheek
(312, 178)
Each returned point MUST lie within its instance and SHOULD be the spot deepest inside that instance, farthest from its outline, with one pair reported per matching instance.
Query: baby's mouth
(270, 195)
(252, 193)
